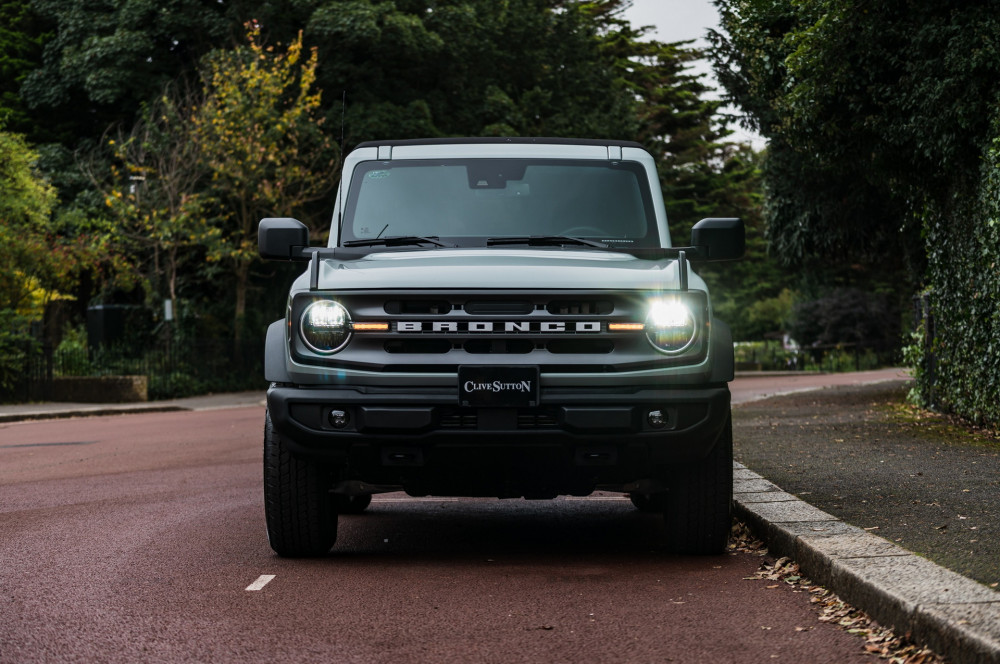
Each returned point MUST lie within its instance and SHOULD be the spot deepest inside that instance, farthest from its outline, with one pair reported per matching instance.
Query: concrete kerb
(48, 411)
(953, 615)
(97, 411)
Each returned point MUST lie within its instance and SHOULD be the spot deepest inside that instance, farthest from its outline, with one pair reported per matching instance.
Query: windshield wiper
(543, 241)
(397, 241)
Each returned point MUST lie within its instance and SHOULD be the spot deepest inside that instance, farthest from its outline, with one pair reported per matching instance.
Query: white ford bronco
(498, 317)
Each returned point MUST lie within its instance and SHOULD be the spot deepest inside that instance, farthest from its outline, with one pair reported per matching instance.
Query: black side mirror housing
(282, 238)
(719, 239)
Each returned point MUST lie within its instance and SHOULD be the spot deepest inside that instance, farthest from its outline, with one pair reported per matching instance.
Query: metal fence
(172, 371)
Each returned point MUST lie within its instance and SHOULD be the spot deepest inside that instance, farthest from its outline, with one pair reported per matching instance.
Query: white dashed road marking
(261, 581)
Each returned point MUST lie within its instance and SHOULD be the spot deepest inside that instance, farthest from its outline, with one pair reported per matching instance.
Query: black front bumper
(572, 442)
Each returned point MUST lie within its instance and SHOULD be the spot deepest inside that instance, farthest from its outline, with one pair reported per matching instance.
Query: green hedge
(959, 369)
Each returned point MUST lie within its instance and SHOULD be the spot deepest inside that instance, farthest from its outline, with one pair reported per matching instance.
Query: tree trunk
(242, 277)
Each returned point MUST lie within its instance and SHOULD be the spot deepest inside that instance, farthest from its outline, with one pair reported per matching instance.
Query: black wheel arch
(275, 370)
(723, 356)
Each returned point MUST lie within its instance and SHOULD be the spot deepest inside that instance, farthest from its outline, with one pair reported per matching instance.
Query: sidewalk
(51, 410)
(879, 477)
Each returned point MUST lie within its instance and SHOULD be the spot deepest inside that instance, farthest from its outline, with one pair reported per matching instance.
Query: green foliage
(964, 268)
(916, 357)
(153, 191)
(103, 60)
(169, 135)
(21, 38)
(773, 356)
(476, 67)
(176, 384)
(768, 355)
(15, 344)
(755, 294)
(29, 267)
(850, 358)
(873, 111)
(879, 116)
(173, 370)
(257, 134)
(770, 314)
(846, 315)
(25, 198)
(73, 354)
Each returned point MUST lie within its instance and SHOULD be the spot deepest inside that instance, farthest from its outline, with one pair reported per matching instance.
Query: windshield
(468, 201)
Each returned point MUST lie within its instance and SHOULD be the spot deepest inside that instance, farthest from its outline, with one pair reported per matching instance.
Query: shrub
(71, 355)
(15, 344)
(964, 275)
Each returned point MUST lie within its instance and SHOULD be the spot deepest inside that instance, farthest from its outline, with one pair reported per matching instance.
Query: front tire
(698, 513)
(298, 507)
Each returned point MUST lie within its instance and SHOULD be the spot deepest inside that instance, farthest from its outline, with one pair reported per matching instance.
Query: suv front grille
(459, 420)
(468, 418)
(478, 324)
(499, 346)
(560, 332)
(580, 307)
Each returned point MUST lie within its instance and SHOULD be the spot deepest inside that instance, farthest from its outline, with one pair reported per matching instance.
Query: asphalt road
(755, 387)
(140, 538)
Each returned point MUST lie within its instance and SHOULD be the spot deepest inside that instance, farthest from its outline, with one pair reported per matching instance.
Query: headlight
(670, 325)
(325, 326)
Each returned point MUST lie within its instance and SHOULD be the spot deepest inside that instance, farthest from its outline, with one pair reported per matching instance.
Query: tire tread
(699, 503)
(298, 508)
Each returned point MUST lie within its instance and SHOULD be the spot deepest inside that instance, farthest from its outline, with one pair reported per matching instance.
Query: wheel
(352, 504)
(649, 502)
(698, 511)
(298, 507)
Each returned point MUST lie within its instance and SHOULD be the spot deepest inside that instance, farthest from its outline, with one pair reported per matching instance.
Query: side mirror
(721, 239)
(282, 239)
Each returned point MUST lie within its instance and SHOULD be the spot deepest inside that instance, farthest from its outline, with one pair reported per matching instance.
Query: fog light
(339, 418)
(656, 419)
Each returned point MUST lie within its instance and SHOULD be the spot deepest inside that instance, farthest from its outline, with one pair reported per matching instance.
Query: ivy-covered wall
(964, 280)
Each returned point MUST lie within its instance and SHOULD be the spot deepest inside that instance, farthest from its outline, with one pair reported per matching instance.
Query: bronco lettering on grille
(499, 326)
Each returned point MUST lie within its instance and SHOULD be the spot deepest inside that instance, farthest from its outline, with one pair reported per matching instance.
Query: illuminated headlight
(325, 327)
(670, 325)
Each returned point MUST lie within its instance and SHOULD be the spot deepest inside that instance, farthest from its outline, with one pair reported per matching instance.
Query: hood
(491, 268)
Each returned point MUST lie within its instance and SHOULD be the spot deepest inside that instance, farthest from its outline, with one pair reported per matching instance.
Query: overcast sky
(681, 20)
(675, 20)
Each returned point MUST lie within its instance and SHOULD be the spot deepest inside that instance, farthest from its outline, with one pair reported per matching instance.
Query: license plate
(498, 386)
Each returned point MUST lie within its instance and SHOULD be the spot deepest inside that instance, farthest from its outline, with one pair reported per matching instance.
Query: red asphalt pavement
(136, 537)
(750, 387)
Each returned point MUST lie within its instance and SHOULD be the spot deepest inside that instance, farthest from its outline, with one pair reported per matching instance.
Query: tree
(410, 68)
(257, 133)
(103, 60)
(37, 265)
(154, 190)
(703, 174)
(477, 67)
(30, 270)
(21, 37)
(874, 112)
(883, 124)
